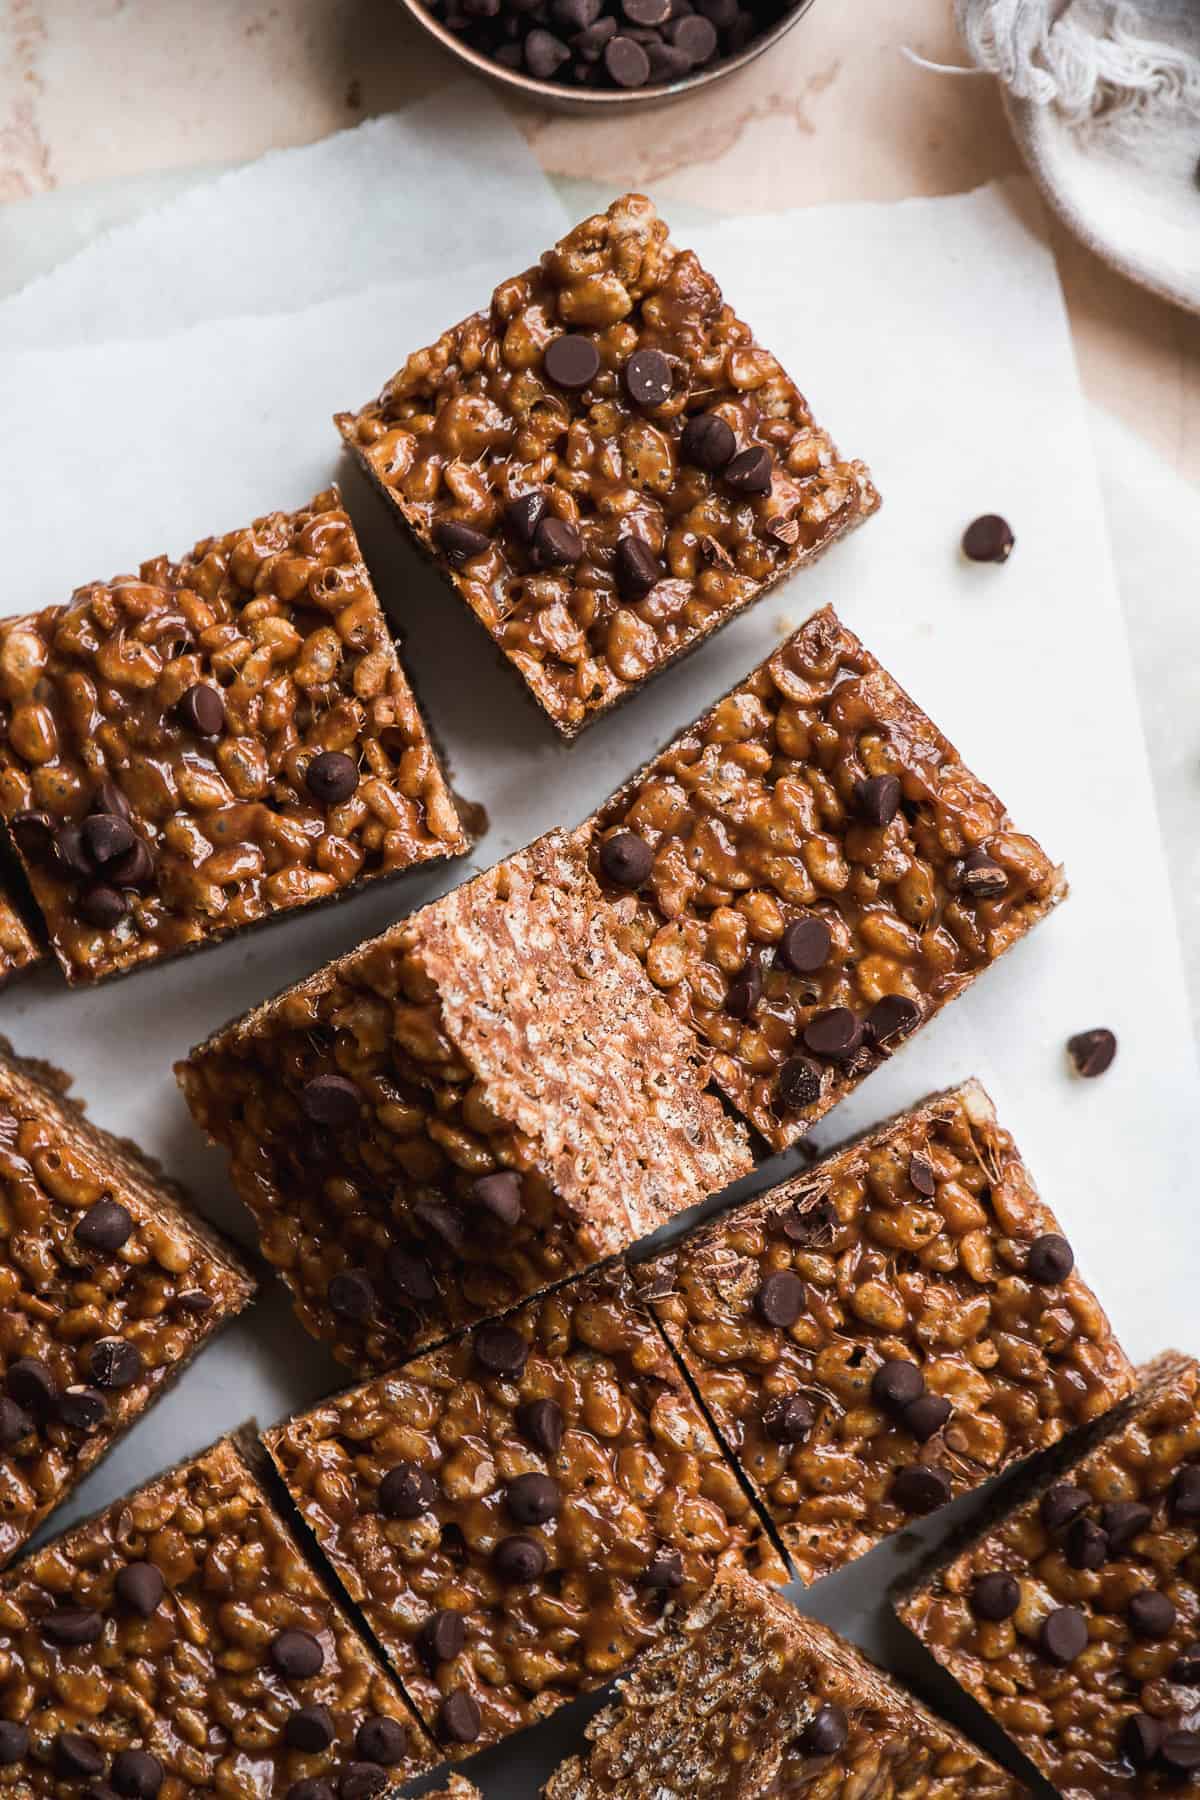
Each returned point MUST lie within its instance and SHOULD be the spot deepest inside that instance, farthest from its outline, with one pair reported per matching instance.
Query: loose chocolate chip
(636, 567)
(877, 799)
(780, 1299)
(136, 1774)
(646, 12)
(362, 1780)
(695, 36)
(460, 542)
(14, 1742)
(77, 1756)
(1062, 1505)
(707, 442)
(556, 543)
(575, 15)
(750, 471)
(381, 1740)
(920, 1173)
(458, 1720)
(69, 853)
(1151, 1614)
(524, 514)
(135, 869)
(545, 54)
(501, 1350)
(810, 1225)
(140, 1587)
(892, 1016)
(647, 378)
(330, 1100)
(926, 1416)
(1122, 1521)
(589, 43)
(313, 1728)
(297, 1655)
(103, 906)
(82, 1408)
(1185, 1489)
(805, 945)
(519, 1559)
(104, 1227)
(572, 361)
(440, 1638)
(626, 62)
(626, 859)
(1092, 1052)
(826, 1732)
(896, 1384)
(540, 1423)
(1141, 1737)
(115, 1363)
(788, 1418)
(1064, 1634)
(33, 834)
(201, 710)
(107, 836)
(995, 1597)
(351, 1294)
(1186, 1668)
(1180, 1751)
(331, 777)
(500, 1195)
(406, 1491)
(410, 1279)
(15, 1423)
(664, 1572)
(533, 1499)
(834, 1033)
(982, 879)
(30, 1384)
(988, 539)
(1050, 1259)
(799, 1084)
(315, 1787)
(919, 1489)
(1086, 1545)
(67, 1627)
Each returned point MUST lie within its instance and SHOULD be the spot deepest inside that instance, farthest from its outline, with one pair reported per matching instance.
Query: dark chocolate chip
(826, 1732)
(1050, 1259)
(103, 906)
(926, 1416)
(331, 777)
(135, 869)
(297, 1655)
(362, 1780)
(780, 1299)
(750, 471)
(696, 36)
(500, 1195)
(1186, 1668)
(556, 543)
(1086, 1545)
(1180, 1751)
(533, 1499)
(647, 378)
(30, 1384)
(1064, 1634)
(501, 1350)
(920, 1173)
(106, 836)
(1092, 1052)
(877, 799)
(805, 945)
(140, 1587)
(519, 1559)
(572, 361)
(14, 1742)
(636, 567)
(664, 1572)
(834, 1033)
(440, 1639)
(707, 442)
(409, 1278)
(458, 1719)
(1185, 1489)
(667, 63)
(136, 1774)
(406, 1492)
(67, 1627)
(1122, 1521)
(15, 1423)
(313, 1728)
(995, 1597)
(892, 1016)
(1062, 1504)
(646, 12)
(104, 1227)
(988, 539)
(109, 798)
(589, 43)
(196, 1301)
(351, 1294)
(919, 1489)
(524, 514)
(626, 859)
(626, 62)
(33, 834)
(723, 13)
(545, 54)
(575, 15)
(381, 1740)
(1141, 1737)
(788, 1418)
(76, 1756)
(460, 542)
(1151, 1614)
(799, 1084)
(115, 1363)
(330, 1100)
(69, 853)
(82, 1408)
(982, 879)
(540, 1423)
(201, 710)
(444, 1222)
(896, 1384)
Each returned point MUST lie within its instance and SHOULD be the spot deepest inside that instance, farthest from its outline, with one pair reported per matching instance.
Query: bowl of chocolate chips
(586, 55)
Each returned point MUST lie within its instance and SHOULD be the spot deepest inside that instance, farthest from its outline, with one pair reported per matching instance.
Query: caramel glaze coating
(19, 949)
(475, 421)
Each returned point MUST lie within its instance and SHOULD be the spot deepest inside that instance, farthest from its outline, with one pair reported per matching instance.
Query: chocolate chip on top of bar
(605, 464)
(211, 743)
(809, 873)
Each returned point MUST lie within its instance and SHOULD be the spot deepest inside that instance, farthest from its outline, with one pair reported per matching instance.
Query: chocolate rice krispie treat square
(518, 1512)
(604, 465)
(482, 1101)
(888, 1329)
(744, 1698)
(213, 742)
(809, 873)
(1073, 1615)
(109, 1286)
(179, 1644)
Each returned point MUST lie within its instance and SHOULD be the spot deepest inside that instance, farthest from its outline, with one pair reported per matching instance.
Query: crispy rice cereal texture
(809, 873)
(534, 444)
(1073, 1615)
(745, 1699)
(19, 949)
(181, 1638)
(483, 1100)
(458, 1788)
(923, 1245)
(108, 1288)
(213, 742)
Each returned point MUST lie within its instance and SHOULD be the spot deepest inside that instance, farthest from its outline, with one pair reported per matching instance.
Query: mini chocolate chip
(458, 1719)
(362, 1780)
(1050, 1259)
(926, 1416)
(113, 1362)
(788, 1418)
(695, 36)
(501, 1350)
(707, 442)
(1064, 1634)
(82, 1408)
(15, 1423)
(647, 378)
(1086, 1545)
(106, 836)
(314, 1787)
(1185, 1489)
(988, 539)
(201, 710)
(313, 1728)
(920, 1173)
(1062, 1504)
(330, 1100)
(33, 834)
(460, 542)
(664, 1572)
(1092, 1052)
(381, 1740)
(826, 1732)
(1140, 1739)
(524, 514)
(626, 62)
(572, 361)
(331, 777)
(135, 869)
(140, 1587)
(805, 945)
(1151, 1614)
(982, 879)
(69, 852)
(104, 1226)
(636, 567)
(77, 1756)
(896, 1384)
(519, 1559)
(556, 543)
(1122, 1521)
(834, 1033)
(406, 1492)
(297, 1655)
(440, 1639)
(540, 1423)
(500, 1195)
(995, 1596)
(799, 1084)
(920, 1489)
(103, 906)
(877, 798)
(1186, 1667)
(136, 1774)
(809, 1224)
(533, 1499)
(892, 1016)
(351, 1294)
(780, 1299)
(67, 1627)
(626, 859)
(410, 1278)
(1180, 1751)
(14, 1742)
(30, 1384)
(750, 471)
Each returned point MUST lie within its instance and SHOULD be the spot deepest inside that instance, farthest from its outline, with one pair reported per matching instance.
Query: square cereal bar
(518, 1512)
(108, 1287)
(483, 1100)
(604, 464)
(178, 1644)
(211, 743)
(744, 1698)
(1073, 1615)
(809, 873)
(888, 1329)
